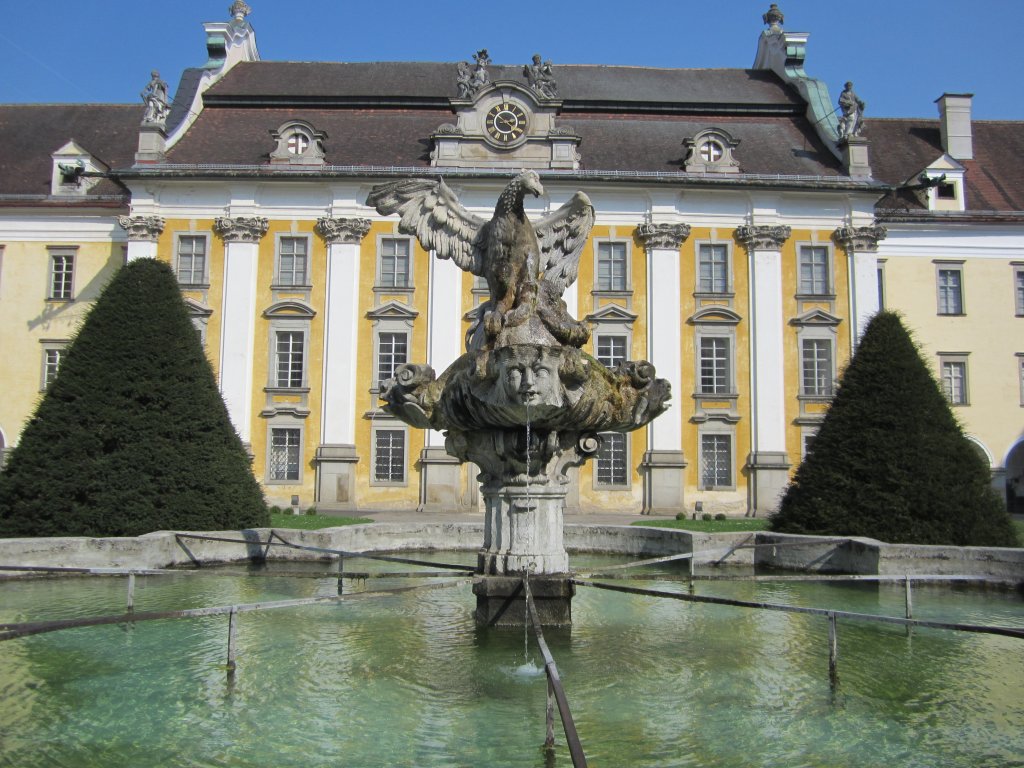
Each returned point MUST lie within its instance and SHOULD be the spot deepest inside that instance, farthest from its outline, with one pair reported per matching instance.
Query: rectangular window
(51, 363)
(392, 353)
(191, 259)
(713, 269)
(951, 297)
(289, 352)
(881, 287)
(389, 456)
(814, 277)
(611, 350)
(62, 269)
(611, 460)
(292, 261)
(816, 366)
(714, 365)
(1019, 291)
(716, 461)
(394, 263)
(285, 453)
(954, 381)
(611, 266)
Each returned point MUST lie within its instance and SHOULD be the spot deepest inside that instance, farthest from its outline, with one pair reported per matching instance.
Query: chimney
(955, 122)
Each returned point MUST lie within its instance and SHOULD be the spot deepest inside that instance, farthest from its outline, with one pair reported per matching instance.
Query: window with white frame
(712, 268)
(389, 456)
(806, 440)
(611, 349)
(53, 356)
(289, 352)
(612, 265)
(716, 461)
(394, 263)
(285, 454)
(191, 256)
(1018, 277)
(292, 261)
(953, 370)
(62, 272)
(392, 353)
(816, 366)
(950, 290)
(715, 365)
(611, 462)
(815, 277)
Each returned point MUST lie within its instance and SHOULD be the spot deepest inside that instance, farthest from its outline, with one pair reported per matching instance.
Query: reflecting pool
(408, 680)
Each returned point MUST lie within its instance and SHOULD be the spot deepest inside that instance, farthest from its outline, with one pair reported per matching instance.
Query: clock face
(505, 122)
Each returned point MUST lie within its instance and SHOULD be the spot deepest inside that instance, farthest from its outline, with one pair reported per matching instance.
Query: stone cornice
(762, 237)
(662, 235)
(859, 239)
(142, 228)
(242, 229)
(350, 231)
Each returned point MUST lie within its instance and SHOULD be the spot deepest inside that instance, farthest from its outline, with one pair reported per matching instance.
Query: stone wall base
(501, 601)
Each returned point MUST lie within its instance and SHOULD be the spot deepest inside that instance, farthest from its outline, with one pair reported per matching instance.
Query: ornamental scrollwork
(763, 237)
(662, 235)
(241, 229)
(350, 231)
(145, 228)
(859, 239)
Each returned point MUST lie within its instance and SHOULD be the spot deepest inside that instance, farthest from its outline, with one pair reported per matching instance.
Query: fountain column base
(523, 530)
(501, 600)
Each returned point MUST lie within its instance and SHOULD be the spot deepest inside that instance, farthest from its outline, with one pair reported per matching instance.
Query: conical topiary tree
(890, 460)
(132, 436)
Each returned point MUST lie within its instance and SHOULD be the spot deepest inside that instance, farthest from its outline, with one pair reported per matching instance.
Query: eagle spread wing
(562, 236)
(431, 213)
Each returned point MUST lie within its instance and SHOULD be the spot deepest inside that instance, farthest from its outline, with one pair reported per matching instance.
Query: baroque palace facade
(745, 233)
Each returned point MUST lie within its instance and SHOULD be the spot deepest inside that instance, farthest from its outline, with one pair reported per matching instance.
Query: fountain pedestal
(501, 600)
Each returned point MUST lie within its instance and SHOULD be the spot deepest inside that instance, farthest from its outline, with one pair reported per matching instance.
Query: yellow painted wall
(27, 317)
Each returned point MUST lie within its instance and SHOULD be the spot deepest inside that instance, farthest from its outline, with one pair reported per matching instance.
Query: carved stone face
(529, 378)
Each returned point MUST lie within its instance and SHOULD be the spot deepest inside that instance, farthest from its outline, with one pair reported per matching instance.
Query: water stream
(409, 680)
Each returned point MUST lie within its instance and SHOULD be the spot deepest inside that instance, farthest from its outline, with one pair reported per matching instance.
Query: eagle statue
(527, 265)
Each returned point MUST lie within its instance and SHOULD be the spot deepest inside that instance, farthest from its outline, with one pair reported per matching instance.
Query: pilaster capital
(762, 237)
(662, 235)
(350, 231)
(241, 229)
(144, 228)
(859, 239)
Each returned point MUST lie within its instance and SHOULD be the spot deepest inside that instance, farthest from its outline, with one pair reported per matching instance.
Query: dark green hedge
(132, 435)
(890, 460)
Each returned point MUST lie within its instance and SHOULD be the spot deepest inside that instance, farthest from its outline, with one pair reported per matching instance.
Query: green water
(409, 681)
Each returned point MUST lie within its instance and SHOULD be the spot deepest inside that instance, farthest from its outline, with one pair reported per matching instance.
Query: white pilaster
(238, 334)
(341, 333)
(143, 232)
(768, 396)
(444, 323)
(861, 246)
(664, 339)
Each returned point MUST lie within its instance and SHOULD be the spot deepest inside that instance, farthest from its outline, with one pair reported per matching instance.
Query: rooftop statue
(154, 95)
(852, 121)
(541, 78)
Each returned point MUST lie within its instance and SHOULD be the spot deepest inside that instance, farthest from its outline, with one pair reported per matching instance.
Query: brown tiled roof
(30, 133)
(902, 148)
(305, 82)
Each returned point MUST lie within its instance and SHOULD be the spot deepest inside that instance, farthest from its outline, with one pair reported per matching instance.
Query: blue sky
(900, 54)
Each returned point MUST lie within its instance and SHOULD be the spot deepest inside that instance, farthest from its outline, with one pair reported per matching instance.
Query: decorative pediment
(714, 315)
(611, 313)
(393, 310)
(298, 143)
(289, 309)
(196, 309)
(816, 317)
(711, 151)
(504, 123)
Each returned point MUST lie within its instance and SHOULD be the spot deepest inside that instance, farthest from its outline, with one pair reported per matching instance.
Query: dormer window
(298, 143)
(711, 151)
(946, 191)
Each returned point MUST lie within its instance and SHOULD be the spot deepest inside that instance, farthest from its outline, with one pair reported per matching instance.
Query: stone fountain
(524, 403)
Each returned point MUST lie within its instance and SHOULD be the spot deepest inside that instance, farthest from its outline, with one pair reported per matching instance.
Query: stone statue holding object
(154, 96)
(851, 123)
(541, 78)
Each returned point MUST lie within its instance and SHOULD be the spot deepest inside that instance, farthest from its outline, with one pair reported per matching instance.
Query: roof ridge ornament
(239, 10)
(472, 82)
(773, 18)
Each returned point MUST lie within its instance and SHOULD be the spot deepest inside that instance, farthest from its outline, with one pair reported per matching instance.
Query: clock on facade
(505, 122)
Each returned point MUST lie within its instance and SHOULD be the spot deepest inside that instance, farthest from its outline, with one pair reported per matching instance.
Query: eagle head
(529, 181)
